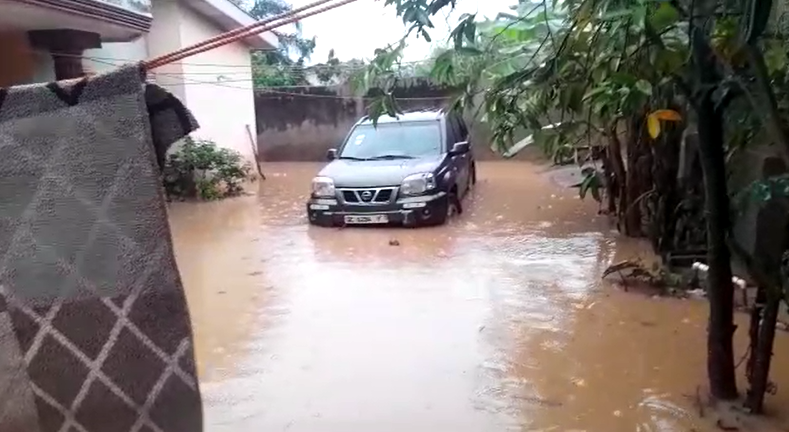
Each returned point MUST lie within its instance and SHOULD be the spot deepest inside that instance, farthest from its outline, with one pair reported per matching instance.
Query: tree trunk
(665, 180)
(611, 184)
(770, 278)
(720, 352)
(632, 214)
(620, 176)
(762, 356)
(753, 332)
(720, 360)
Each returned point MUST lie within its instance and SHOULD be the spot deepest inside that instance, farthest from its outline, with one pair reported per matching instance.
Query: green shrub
(201, 169)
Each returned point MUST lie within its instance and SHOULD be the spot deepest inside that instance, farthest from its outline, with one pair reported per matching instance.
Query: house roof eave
(230, 17)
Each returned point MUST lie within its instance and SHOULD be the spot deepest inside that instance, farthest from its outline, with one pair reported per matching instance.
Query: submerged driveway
(495, 322)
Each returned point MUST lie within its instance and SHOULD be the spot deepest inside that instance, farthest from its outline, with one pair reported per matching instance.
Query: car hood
(351, 173)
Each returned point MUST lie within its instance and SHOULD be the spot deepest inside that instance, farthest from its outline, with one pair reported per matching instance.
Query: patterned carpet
(94, 331)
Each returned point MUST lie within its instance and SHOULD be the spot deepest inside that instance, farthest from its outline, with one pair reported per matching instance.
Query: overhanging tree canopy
(627, 77)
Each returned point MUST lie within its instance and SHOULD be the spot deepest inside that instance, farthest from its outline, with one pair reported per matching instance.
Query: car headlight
(417, 184)
(322, 187)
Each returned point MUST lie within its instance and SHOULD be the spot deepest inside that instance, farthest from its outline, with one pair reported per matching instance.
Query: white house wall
(218, 86)
(44, 67)
(163, 38)
(113, 54)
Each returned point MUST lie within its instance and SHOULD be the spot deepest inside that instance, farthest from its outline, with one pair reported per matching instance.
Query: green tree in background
(334, 71)
(285, 65)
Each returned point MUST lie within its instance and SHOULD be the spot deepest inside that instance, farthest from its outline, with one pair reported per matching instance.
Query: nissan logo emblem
(367, 195)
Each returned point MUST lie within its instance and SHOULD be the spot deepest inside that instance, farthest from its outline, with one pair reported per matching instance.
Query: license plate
(366, 219)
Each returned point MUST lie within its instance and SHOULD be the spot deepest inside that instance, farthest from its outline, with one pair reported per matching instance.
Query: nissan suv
(413, 169)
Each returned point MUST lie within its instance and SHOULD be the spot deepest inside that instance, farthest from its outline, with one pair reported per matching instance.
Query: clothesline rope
(235, 32)
(244, 32)
(118, 61)
(274, 93)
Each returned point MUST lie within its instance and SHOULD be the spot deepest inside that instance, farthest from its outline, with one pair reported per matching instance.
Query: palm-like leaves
(283, 66)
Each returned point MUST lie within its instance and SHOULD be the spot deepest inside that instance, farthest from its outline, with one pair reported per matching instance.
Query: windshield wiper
(352, 158)
(391, 156)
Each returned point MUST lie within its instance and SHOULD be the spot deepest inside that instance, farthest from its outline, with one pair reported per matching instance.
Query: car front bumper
(411, 211)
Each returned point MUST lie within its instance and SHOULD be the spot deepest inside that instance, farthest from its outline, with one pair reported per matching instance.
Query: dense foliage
(334, 71)
(283, 66)
(613, 85)
(200, 169)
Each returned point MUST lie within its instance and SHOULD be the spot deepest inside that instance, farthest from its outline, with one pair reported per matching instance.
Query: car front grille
(384, 195)
(367, 196)
(349, 196)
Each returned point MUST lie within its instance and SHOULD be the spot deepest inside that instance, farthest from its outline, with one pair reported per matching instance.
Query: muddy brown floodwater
(496, 322)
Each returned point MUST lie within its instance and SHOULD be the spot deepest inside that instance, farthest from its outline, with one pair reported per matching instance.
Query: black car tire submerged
(473, 175)
(453, 209)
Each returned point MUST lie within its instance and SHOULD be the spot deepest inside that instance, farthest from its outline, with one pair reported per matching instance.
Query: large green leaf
(775, 57)
(591, 183)
(644, 87)
(664, 16)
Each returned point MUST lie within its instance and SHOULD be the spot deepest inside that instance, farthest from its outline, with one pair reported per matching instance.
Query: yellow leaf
(666, 114)
(653, 125)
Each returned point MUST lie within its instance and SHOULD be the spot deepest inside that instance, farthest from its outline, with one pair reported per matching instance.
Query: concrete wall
(302, 123)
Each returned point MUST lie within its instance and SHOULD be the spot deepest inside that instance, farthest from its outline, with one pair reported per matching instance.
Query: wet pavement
(495, 322)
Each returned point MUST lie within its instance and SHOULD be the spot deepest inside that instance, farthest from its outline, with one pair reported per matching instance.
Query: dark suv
(411, 170)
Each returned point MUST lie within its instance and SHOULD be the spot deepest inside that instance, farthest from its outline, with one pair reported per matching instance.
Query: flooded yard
(495, 322)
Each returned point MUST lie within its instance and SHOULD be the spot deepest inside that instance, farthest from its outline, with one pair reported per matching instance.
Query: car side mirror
(331, 154)
(460, 148)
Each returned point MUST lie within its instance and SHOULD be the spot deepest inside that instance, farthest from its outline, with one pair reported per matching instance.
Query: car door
(453, 160)
(464, 135)
(461, 162)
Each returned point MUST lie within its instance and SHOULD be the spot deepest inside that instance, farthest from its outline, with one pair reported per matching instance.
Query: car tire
(454, 197)
(473, 175)
(453, 209)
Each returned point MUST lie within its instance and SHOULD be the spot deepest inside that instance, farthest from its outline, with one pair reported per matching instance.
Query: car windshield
(393, 140)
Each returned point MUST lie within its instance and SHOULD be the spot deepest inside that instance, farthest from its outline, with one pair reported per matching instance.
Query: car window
(463, 128)
(408, 139)
(452, 130)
